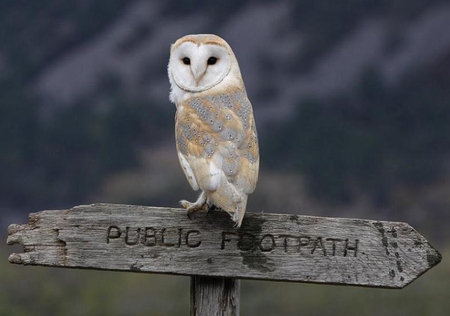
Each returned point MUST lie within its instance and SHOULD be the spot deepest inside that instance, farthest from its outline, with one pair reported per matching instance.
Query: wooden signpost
(208, 248)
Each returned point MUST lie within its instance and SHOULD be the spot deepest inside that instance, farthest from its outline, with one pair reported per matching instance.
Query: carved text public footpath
(232, 240)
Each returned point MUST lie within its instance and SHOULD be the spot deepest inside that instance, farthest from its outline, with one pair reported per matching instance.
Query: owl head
(199, 63)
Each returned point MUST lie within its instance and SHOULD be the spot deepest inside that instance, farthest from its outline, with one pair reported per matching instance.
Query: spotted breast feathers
(216, 137)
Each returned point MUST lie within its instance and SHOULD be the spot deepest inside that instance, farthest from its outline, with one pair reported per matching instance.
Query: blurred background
(352, 104)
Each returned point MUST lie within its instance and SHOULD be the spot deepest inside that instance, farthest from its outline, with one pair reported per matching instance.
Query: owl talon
(193, 207)
(186, 204)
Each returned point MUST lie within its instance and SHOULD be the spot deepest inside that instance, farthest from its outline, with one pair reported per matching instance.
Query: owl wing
(217, 142)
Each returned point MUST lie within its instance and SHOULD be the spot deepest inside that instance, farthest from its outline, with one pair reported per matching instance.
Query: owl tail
(231, 201)
(238, 215)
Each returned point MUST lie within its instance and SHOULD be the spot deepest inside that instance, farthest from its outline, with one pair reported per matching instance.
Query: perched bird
(216, 137)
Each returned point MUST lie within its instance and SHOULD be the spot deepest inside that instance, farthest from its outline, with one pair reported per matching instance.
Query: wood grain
(211, 296)
(267, 246)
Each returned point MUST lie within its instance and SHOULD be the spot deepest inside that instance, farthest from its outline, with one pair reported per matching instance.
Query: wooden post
(214, 296)
(215, 254)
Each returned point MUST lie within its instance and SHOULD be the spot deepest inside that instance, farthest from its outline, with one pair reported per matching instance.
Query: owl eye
(186, 61)
(212, 60)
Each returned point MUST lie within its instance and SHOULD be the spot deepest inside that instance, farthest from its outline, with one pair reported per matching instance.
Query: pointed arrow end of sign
(433, 256)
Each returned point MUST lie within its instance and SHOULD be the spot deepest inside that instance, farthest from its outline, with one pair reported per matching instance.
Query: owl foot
(193, 207)
(199, 205)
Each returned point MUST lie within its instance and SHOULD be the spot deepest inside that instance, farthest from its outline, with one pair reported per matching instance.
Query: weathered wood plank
(214, 296)
(267, 246)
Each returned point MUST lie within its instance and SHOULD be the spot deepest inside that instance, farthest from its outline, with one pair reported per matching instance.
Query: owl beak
(198, 71)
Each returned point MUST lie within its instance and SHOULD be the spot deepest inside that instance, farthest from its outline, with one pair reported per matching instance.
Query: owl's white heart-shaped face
(195, 67)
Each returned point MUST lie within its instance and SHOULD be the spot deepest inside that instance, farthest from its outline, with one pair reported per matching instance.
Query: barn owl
(215, 131)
